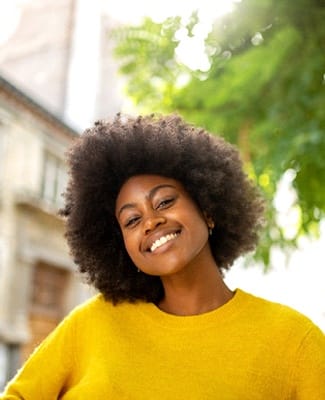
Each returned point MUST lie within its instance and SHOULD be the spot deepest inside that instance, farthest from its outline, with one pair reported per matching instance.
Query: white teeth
(164, 239)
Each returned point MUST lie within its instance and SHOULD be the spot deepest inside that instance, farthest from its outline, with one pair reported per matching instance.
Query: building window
(2, 150)
(47, 304)
(54, 179)
(49, 289)
(3, 365)
(9, 362)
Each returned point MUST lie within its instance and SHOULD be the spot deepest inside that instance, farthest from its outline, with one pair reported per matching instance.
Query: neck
(195, 294)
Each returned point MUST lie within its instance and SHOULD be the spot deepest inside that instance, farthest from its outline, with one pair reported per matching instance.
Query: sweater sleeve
(46, 373)
(310, 367)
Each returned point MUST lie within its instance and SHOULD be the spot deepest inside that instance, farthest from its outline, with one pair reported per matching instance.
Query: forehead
(141, 185)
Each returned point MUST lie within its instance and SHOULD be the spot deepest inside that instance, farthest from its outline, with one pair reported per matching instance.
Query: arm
(46, 373)
(309, 376)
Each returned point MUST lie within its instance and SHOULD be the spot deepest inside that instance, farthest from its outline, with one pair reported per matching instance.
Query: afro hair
(109, 153)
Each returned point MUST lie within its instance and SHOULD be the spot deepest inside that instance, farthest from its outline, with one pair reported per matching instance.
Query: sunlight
(191, 50)
(288, 213)
(10, 14)
(132, 12)
(9, 19)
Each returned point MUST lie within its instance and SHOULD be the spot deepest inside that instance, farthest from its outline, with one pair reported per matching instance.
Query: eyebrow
(151, 194)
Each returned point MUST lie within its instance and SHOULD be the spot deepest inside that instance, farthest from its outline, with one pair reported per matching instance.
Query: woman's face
(164, 231)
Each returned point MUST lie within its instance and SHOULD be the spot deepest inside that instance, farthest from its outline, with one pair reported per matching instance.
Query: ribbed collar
(228, 311)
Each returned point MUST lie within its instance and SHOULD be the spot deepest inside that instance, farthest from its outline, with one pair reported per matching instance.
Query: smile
(164, 239)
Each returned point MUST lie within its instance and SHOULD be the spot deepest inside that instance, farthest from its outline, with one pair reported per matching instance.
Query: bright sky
(127, 10)
(9, 18)
(132, 11)
(191, 51)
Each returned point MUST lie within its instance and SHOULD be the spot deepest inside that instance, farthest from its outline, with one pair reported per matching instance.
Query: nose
(152, 222)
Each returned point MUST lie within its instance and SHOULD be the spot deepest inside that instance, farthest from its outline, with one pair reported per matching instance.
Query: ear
(209, 221)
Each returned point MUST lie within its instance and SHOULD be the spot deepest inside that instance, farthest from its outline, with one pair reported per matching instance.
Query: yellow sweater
(247, 349)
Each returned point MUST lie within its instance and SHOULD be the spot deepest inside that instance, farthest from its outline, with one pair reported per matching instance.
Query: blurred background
(252, 71)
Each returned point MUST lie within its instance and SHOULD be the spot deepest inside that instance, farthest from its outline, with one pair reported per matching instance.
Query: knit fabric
(249, 349)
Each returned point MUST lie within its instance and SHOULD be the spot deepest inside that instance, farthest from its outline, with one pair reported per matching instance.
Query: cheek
(200, 231)
(197, 220)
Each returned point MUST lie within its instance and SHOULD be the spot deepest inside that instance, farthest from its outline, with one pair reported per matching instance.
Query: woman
(155, 210)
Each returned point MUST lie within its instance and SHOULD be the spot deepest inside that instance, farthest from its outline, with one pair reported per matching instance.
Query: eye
(165, 203)
(131, 222)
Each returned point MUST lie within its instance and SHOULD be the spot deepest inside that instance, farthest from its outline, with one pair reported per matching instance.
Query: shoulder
(291, 337)
(278, 317)
(98, 310)
(96, 303)
(91, 306)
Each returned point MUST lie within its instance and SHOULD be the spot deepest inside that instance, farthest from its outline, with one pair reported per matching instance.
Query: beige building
(56, 65)
(38, 283)
(60, 51)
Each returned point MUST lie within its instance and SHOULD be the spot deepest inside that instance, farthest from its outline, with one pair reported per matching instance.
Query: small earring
(211, 226)
(210, 231)
(138, 270)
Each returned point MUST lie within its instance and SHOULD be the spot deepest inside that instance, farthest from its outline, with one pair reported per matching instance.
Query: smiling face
(163, 229)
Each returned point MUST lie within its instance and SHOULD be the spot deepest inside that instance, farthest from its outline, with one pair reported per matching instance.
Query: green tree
(264, 91)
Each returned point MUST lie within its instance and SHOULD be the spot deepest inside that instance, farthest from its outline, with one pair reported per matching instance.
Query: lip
(150, 240)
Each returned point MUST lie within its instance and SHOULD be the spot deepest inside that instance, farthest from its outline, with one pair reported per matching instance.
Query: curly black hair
(109, 153)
